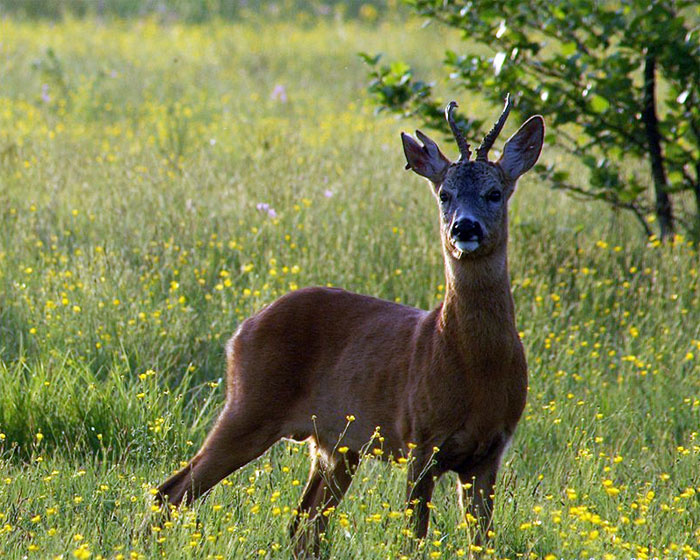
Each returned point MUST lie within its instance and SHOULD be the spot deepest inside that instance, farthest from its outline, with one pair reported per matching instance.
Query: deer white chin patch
(467, 246)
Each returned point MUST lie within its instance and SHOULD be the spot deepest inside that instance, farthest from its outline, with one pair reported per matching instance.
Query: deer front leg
(419, 490)
(476, 489)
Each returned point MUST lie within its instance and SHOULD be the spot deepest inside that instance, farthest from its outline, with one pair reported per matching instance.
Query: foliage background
(193, 11)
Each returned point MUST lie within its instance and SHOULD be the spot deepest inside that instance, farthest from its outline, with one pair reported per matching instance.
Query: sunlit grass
(160, 183)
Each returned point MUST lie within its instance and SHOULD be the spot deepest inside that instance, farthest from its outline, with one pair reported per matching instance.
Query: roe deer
(447, 386)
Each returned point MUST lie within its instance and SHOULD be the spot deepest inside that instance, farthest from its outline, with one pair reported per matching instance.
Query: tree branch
(638, 211)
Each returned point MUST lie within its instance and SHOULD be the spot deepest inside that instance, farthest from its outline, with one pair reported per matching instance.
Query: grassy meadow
(161, 182)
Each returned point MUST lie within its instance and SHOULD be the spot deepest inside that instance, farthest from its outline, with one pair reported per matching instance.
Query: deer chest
(463, 451)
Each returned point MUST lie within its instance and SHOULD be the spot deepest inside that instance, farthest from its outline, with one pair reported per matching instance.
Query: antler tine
(464, 150)
(482, 152)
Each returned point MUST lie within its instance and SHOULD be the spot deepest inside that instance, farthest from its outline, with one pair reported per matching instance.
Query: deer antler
(482, 151)
(464, 150)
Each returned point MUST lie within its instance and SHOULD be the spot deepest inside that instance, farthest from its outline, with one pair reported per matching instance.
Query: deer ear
(426, 160)
(522, 150)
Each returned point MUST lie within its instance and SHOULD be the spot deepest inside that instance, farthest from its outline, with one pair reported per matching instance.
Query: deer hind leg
(327, 484)
(310, 490)
(235, 440)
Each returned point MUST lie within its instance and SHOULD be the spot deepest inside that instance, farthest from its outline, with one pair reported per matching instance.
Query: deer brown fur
(445, 387)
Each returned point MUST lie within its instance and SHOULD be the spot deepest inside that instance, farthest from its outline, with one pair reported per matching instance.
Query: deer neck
(478, 311)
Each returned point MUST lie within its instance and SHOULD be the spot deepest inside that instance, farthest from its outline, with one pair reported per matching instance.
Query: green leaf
(599, 104)
(369, 59)
(399, 67)
(567, 49)
(675, 178)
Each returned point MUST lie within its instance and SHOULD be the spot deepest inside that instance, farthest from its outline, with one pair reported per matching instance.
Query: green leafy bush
(616, 81)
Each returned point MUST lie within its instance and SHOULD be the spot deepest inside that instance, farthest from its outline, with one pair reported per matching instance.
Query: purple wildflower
(264, 207)
(279, 94)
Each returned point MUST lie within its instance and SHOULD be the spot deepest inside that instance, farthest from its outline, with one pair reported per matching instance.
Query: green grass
(132, 160)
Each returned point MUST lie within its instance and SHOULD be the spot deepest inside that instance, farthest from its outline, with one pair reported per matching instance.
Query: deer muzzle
(466, 235)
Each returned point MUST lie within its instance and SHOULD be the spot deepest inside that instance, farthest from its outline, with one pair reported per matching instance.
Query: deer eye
(494, 196)
(444, 196)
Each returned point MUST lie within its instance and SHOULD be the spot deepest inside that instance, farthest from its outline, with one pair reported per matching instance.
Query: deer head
(473, 194)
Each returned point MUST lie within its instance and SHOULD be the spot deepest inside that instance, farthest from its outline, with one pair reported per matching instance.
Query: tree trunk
(696, 223)
(696, 192)
(664, 211)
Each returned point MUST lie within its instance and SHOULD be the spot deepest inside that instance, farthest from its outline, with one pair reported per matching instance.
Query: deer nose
(465, 229)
